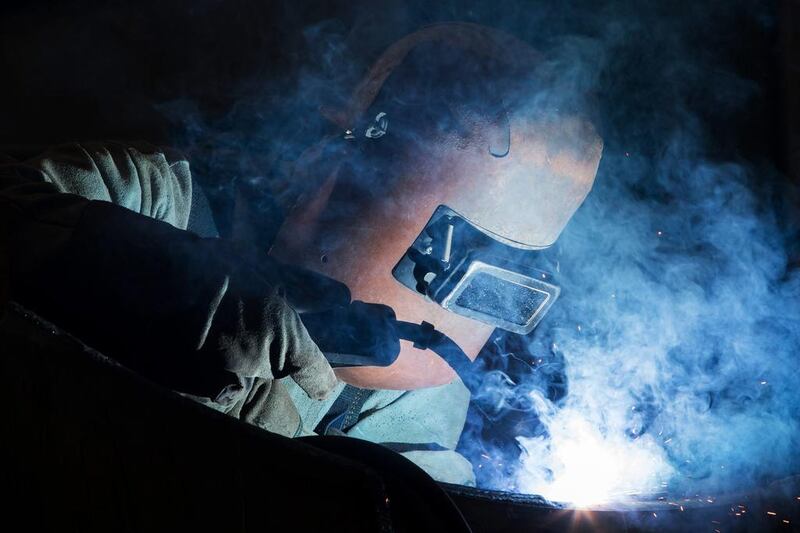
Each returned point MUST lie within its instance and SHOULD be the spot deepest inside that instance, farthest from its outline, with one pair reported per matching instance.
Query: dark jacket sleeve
(150, 180)
(192, 313)
(135, 288)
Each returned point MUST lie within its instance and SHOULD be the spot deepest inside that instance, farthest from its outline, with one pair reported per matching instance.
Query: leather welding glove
(349, 333)
(256, 332)
(184, 311)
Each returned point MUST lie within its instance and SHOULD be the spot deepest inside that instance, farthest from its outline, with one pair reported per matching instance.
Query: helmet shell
(356, 233)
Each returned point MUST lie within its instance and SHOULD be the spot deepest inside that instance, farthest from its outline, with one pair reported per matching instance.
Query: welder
(423, 227)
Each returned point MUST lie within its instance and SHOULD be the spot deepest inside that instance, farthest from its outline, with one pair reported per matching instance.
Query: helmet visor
(473, 273)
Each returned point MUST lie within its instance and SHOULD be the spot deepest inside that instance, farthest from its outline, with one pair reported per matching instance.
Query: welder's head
(450, 185)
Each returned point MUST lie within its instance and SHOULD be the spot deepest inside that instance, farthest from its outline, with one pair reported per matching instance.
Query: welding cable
(426, 337)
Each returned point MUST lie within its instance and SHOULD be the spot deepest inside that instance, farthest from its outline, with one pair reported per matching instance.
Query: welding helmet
(445, 220)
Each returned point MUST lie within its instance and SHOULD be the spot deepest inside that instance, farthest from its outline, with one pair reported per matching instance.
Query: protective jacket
(191, 312)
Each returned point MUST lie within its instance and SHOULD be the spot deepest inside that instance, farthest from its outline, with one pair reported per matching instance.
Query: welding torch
(355, 333)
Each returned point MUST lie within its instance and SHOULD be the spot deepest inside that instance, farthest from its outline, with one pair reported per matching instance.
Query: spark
(772, 513)
(583, 466)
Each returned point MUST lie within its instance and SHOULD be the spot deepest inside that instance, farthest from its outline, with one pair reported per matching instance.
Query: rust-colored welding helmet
(420, 166)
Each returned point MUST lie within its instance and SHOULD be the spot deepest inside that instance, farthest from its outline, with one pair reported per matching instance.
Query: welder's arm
(150, 180)
(189, 312)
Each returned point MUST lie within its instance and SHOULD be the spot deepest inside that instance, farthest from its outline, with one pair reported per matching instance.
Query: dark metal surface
(91, 446)
(772, 508)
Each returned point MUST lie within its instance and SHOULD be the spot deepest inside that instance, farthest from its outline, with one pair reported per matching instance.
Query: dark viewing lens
(501, 298)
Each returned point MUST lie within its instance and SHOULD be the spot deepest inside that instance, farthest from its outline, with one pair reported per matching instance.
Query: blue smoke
(677, 336)
(680, 339)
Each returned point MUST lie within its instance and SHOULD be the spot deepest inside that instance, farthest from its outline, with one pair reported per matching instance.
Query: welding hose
(426, 337)
(362, 334)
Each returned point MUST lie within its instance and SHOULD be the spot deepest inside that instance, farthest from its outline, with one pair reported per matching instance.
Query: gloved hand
(255, 333)
(349, 333)
(193, 314)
